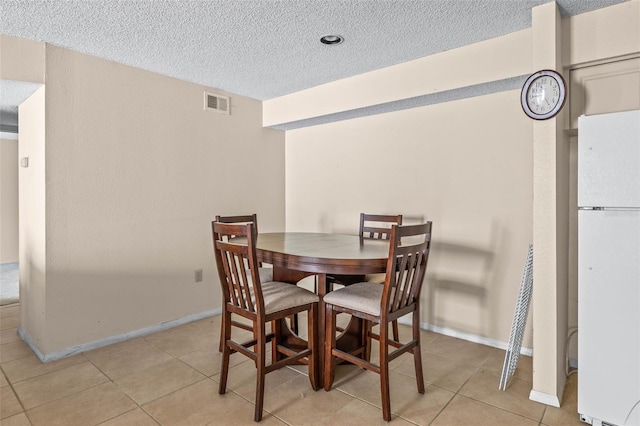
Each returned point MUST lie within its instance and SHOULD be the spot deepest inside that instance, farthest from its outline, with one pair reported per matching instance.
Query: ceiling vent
(215, 102)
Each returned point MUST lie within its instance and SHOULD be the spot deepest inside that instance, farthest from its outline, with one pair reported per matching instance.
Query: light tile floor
(171, 378)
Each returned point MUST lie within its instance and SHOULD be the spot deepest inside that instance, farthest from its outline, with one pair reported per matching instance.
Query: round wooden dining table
(319, 253)
(296, 255)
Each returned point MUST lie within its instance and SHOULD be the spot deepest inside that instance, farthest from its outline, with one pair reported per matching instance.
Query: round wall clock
(543, 94)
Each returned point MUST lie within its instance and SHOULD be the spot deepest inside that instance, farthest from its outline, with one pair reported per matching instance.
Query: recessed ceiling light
(332, 39)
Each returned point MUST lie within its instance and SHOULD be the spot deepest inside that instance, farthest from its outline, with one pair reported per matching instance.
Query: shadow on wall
(459, 284)
(327, 222)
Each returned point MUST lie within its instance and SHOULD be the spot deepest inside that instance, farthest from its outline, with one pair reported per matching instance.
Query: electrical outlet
(197, 274)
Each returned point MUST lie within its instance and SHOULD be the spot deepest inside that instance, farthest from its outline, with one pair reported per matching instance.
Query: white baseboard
(466, 336)
(29, 341)
(9, 135)
(544, 398)
(534, 395)
(53, 356)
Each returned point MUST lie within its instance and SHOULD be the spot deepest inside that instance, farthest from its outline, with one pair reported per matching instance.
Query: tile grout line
(456, 393)
(491, 405)
(65, 396)
(483, 367)
(141, 406)
(16, 395)
(542, 417)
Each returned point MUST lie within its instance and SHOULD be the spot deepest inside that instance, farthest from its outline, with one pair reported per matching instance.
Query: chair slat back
(377, 226)
(237, 265)
(239, 219)
(406, 266)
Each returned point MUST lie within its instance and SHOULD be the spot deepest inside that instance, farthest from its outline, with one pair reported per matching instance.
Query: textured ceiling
(267, 48)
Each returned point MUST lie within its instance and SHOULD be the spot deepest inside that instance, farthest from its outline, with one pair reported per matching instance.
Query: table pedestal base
(351, 340)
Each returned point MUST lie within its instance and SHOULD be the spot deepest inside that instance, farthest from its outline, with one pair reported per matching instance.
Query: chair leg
(226, 351)
(261, 347)
(384, 372)
(220, 347)
(417, 352)
(396, 331)
(312, 339)
(276, 329)
(330, 343)
(366, 339)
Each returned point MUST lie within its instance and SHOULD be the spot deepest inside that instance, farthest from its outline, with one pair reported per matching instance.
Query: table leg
(351, 338)
(322, 290)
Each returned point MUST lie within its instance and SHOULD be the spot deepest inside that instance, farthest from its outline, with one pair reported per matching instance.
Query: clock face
(543, 95)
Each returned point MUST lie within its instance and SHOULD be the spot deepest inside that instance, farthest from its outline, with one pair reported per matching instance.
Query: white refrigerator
(609, 269)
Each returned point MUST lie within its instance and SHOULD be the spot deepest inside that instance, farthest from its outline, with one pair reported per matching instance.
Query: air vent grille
(215, 102)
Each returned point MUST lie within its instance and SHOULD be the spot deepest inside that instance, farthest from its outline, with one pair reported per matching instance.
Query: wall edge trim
(544, 398)
(73, 350)
(9, 136)
(470, 337)
(85, 347)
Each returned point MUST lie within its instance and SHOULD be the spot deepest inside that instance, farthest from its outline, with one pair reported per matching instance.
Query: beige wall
(21, 60)
(32, 228)
(467, 165)
(135, 171)
(604, 34)
(342, 161)
(474, 181)
(8, 200)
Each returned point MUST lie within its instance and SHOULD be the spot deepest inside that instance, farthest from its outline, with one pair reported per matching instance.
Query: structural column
(550, 222)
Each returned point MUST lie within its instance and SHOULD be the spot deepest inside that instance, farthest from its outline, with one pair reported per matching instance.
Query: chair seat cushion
(362, 297)
(279, 296)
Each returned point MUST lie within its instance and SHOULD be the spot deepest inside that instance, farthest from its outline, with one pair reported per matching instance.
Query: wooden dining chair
(382, 304)
(378, 226)
(245, 295)
(266, 274)
(372, 227)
